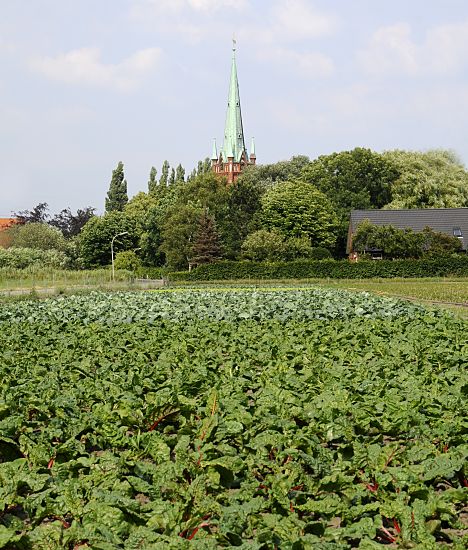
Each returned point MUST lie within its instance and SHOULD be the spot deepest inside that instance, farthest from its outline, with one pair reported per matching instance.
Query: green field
(444, 290)
(212, 419)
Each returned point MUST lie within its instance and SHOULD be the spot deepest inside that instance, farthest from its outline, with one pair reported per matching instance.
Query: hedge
(151, 272)
(333, 269)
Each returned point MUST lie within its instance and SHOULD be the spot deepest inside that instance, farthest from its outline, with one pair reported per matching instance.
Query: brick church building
(232, 158)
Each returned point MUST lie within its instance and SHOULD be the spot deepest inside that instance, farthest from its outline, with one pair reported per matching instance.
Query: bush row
(334, 269)
(22, 258)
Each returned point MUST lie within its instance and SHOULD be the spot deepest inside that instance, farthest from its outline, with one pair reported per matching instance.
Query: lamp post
(112, 251)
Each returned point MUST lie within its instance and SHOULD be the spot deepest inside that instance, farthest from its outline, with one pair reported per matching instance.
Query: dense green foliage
(152, 182)
(36, 235)
(293, 433)
(117, 196)
(403, 243)
(22, 258)
(298, 209)
(206, 247)
(299, 198)
(357, 179)
(433, 179)
(271, 246)
(128, 260)
(342, 269)
(96, 237)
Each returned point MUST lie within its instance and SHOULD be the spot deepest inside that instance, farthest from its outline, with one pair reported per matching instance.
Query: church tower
(233, 157)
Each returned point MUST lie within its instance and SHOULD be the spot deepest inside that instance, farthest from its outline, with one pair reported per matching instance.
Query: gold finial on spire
(234, 42)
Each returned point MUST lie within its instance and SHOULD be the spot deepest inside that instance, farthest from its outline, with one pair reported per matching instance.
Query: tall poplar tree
(117, 196)
(152, 182)
(180, 174)
(163, 180)
(172, 177)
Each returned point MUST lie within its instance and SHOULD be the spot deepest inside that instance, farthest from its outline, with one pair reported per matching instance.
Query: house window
(457, 232)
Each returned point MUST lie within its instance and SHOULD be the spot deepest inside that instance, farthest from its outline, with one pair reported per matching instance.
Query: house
(451, 221)
(5, 223)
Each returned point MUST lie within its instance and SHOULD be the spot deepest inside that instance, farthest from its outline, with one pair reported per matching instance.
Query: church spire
(234, 143)
(232, 157)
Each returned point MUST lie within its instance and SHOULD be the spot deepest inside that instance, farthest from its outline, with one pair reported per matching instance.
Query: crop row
(127, 307)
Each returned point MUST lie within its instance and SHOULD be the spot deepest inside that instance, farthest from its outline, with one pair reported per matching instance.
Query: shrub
(21, 258)
(403, 243)
(263, 245)
(38, 236)
(127, 260)
(271, 246)
(335, 269)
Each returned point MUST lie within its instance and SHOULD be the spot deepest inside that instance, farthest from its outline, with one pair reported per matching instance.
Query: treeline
(290, 210)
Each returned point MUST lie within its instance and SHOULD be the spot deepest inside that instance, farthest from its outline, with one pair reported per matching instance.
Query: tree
(434, 179)
(439, 244)
(146, 211)
(138, 207)
(163, 180)
(353, 179)
(117, 196)
(180, 174)
(180, 221)
(270, 246)
(95, 238)
(263, 246)
(298, 209)
(39, 214)
(192, 175)
(244, 203)
(206, 246)
(71, 224)
(152, 182)
(178, 232)
(36, 235)
(172, 178)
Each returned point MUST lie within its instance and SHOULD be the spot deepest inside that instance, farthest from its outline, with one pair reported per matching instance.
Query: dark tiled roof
(439, 219)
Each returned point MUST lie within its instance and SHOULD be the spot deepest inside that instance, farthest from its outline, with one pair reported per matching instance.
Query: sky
(85, 84)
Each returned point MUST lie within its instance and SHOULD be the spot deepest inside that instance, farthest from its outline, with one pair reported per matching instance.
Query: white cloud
(84, 66)
(298, 19)
(392, 50)
(307, 64)
(167, 7)
(447, 47)
(209, 5)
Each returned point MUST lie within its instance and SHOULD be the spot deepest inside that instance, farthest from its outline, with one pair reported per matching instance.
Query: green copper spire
(252, 148)
(234, 144)
(214, 153)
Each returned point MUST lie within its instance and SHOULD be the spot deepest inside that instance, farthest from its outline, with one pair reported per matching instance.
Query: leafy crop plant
(298, 425)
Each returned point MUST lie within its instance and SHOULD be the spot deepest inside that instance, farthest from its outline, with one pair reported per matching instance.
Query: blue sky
(86, 83)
